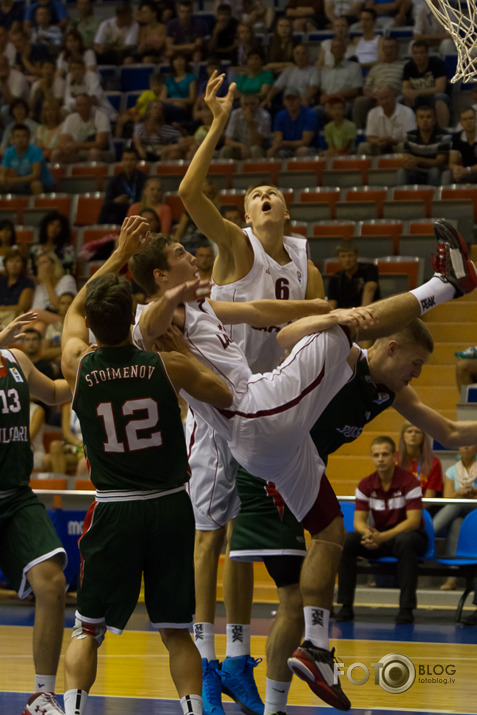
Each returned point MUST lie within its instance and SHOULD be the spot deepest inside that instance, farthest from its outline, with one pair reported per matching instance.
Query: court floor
(375, 656)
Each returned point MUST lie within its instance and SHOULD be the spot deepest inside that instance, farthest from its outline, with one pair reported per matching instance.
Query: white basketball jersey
(266, 279)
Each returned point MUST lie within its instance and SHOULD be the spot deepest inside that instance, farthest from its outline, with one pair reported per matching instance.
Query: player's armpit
(187, 373)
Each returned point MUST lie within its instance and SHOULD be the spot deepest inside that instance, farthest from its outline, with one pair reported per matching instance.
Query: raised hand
(189, 291)
(219, 106)
(134, 234)
(361, 317)
(10, 334)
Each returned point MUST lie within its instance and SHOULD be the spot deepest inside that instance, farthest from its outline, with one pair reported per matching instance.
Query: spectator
(344, 78)
(45, 32)
(73, 48)
(87, 23)
(51, 345)
(304, 78)
(58, 12)
(54, 235)
(356, 283)
(234, 214)
(125, 124)
(116, 39)
(426, 151)
(246, 42)
(152, 198)
(31, 346)
(248, 131)
(212, 64)
(460, 483)
(415, 455)
(424, 78)
(23, 169)
(52, 283)
(123, 190)
(295, 129)
(466, 367)
(387, 124)
(80, 81)
(258, 15)
(185, 33)
(152, 34)
(341, 32)
(349, 9)
(392, 496)
(179, 91)
(7, 239)
(306, 15)
(186, 231)
(13, 85)
(19, 115)
(67, 455)
(340, 133)
(153, 138)
(463, 157)
(48, 87)
(392, 13)
(223, 39)
(428, 28)
(16, 289)
(28, 57)
(255, 79)
(11, 15)
(6, 47)
(86, 134)
(280, 48)
(47, 135)
(204, 258)
(387, 72)
(368, 46)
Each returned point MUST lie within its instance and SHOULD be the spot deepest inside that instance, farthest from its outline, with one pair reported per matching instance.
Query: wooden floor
(134, 678)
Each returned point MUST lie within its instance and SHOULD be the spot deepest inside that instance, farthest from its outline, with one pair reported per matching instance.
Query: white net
(460, 20)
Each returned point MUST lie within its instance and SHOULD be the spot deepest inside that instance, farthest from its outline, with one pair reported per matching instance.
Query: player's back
(130, 421)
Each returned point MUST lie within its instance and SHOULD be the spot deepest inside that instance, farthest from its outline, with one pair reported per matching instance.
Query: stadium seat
(297, 179)
(93, 170)
(57, 171)
(297, 227)
(135, 77)
(373, 246)
(408, 265)
(389, 161)
(383, 177)
(108, 74)
(233, 197)
(83, 484)
(178, 168)
(378, 194)
(462, 210)
(383, 227)
(9, 215)
(421, 227)
(270, 167)
(310, 212)
(404, 209)
(456, 191)
(55, 483)
(174, 201)
(146, 166)
(241, 181)
(116, 100)
(225, 167)
(86, 208)
(94, 233)
(343, 178)
(60, 202)
(329, 195)
(340, 229)
(322, 247)
(356, 210)
(317, 166)
(25, 235)
(415, 192)
(15, 204)
(77, 184)
(352, 163)
(130, 99)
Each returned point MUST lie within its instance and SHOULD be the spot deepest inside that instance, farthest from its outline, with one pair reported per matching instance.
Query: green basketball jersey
(130, 421)
(356, 404)
(16, 456)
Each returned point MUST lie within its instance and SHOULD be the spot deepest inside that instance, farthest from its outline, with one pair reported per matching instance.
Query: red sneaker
(316, 666)
(451, 262)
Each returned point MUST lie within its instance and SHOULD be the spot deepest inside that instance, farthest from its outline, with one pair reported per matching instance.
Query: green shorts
(27, 537)
(124, 539)
(264, 526)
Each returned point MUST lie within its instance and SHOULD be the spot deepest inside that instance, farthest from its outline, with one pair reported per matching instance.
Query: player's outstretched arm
(51, 392)
(262, 313)
(355, 318)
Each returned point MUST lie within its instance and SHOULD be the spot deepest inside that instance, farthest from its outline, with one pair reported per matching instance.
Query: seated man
(426, 151)
(304, 78)
(295, 129)
(23, 169)
(186, 33)
(357, 283)
(86, 134)
(116, 38)
(425, 76)
(79, 80)
(248, 130)
(463, 156)
(392, 496)
(343, 77)
(387, 124)
(124, 189)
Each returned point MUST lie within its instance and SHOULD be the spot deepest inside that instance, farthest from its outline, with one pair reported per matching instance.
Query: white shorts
(270, 424)
(212, 487)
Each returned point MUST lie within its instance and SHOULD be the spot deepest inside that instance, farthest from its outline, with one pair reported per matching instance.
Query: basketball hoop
(459, 17)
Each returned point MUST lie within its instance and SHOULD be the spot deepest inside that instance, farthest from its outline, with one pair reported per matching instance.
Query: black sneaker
(470, 620)
(345, 613)
(404, 616)
(316, 666)
(451, 262)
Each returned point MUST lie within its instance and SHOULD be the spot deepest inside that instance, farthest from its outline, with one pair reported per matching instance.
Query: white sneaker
(42, 704)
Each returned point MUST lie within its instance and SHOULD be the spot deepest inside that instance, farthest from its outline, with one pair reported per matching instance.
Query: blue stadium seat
(131, 99)
(115, 99)
(135, 77)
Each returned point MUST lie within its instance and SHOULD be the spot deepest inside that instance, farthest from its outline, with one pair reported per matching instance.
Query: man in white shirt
(117, 37)
(86, 134)
(387, 124)
(304, 78)
(13, 85)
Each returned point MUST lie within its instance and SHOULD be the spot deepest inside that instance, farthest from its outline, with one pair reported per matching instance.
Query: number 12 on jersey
(132, 427)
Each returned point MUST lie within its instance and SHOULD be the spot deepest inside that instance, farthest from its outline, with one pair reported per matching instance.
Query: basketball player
(141, 521)
(31, 554)
(255, 435)
(254, 263)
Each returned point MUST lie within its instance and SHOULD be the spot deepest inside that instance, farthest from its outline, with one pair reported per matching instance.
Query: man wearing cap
(295, 129)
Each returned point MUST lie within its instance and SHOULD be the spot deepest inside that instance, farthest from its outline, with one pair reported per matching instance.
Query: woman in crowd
(19, 111)
(48, 131)
(74, 47)
(55, 235)
(415, 455)
(153, 138)
(152, 199)
(16, 289)
(256, 79)
(52, 283)
(180, 89)
(460, 483)
(245, 42)
(280, 48)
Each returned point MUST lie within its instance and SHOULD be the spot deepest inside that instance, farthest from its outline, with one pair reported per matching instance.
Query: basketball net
(459, 18)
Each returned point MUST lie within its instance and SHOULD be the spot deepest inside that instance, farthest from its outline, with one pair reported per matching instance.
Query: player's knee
(208, 543)
(334, 534)
(174, 637)
(96, 631)
(49, 585)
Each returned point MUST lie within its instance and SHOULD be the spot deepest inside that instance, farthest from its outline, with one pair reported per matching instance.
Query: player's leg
(185, 667)
(81, 664)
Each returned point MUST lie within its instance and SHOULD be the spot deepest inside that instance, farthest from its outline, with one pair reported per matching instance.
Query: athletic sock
(238, 640)
(191, 705)
(45, 683)
(316, 626)
(276, 696)
(75, 702)
(433, 293)
(204, 639)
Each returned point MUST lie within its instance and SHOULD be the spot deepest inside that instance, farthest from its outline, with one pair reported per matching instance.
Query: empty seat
(93, 170)
(15, 204)
(389, 161)
(415, 192)
(341, 229)
(267, 167)
(310, 212)
(356, 210)
(225, 167)
(78, 184)
(404, 209)
(315, 166)
(233, 197)
(329, 195)
(456, 191)
(383, 227)
(174, 201)
(353, 163)
(59, 202)
(378, 194)
(408, 265)
(86, 208)
(25, 235)
(343, 178)
(135, 77)
(83, 484)
(297, 179)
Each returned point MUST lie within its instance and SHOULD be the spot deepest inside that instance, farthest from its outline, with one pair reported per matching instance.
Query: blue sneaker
(211, 688)
(236, 675)
(468, 354)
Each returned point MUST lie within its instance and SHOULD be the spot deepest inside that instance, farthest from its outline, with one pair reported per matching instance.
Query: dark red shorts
(324, 510)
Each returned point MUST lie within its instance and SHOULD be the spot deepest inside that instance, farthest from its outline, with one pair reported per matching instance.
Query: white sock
(316, 626)
(204, 639)
(45, 683)
(75, 702)
(191, 704)
(433, 293)
(238, 640)
(276, 696)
